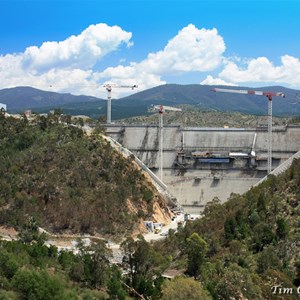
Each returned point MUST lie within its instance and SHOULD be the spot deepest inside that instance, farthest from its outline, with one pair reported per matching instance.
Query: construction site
(199, 164)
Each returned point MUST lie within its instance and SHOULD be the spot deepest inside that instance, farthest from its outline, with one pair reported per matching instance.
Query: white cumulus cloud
(71, 65)
(66, 65)
(210, 80)
(192, 49)
(129, 75)
(81, 51)
(262, 70)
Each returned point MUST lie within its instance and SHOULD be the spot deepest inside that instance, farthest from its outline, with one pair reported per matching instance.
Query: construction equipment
(270, 96)
(161, 109)
(109, 87)
(164, 108)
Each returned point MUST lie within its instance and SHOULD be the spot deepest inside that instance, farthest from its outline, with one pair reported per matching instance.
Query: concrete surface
(196, 183)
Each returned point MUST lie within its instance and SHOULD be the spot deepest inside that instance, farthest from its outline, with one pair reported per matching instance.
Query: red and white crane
(270, 96)
(109, 87)
(161, 109)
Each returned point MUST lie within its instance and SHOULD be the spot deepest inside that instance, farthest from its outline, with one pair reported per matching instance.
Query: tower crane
(161, 109)
(109, 87)
(269, 96)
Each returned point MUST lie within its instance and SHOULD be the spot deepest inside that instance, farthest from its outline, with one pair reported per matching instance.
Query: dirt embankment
(8, 233)
(161, 213)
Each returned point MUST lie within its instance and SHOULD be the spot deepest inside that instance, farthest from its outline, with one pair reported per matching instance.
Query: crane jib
(269, 95)
(250, 92)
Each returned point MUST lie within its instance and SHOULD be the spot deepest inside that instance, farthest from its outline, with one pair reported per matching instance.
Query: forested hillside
(248, 246)
(25, 97)
(197, 117)
(199, 96)
(55, 176)
(205, 98)
(68, 181)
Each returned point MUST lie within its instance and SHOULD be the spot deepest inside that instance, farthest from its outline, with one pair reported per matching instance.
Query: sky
(77, 46)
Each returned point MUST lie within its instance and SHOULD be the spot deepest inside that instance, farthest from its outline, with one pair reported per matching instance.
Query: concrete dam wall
(200, 164)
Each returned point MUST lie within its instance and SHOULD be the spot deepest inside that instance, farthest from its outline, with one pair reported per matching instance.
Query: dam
(200, 164)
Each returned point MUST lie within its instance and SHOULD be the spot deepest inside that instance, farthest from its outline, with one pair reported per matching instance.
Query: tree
(182, 288)
(57, 115)
(241, 225)
(37, 285)
(196, 249)
(268, 258)
(115, 289)
(261, 204)
(92, 264)
(129, 247)
(8, 264)
(262, 236)
(29, 231)
(230, 227)
(100, 263)
(237, 283)
(66, 259)
(297, 278)
(67, 119)
(43, 122)
(144, 264)
(282, 229)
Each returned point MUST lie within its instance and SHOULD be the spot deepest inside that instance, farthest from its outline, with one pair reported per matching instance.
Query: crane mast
(161, 109)
(270, 96)
(109, 87)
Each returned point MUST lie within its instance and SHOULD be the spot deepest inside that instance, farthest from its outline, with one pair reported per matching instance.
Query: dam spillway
(200, 164)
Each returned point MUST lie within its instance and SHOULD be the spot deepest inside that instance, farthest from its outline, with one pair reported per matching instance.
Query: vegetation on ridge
(246, 247)
(68, 181)
(195, 116)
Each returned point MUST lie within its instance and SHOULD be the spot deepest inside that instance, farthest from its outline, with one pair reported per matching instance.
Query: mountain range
(20, 98)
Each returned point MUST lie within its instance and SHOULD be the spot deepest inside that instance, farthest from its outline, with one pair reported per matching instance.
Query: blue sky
(75, 46)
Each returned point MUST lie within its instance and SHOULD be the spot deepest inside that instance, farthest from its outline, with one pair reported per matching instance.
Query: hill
(200, 96)
(68, 181)
(203, 97)
(54, 175)
(194, 116)
(247, 248)
(21, 98)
